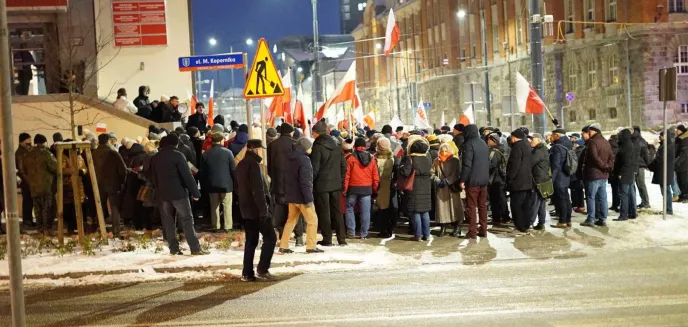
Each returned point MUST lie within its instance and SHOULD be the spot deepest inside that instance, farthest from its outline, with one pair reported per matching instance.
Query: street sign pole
(248, 101)
(663, 92)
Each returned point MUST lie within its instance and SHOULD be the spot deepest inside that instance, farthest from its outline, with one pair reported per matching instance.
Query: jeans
(253, 228)
(669, 199)
(364, 205)
(179, 210)
(675, 188)
(539, 209)
(597, 199)
(421, 224)
(562, 204)
(308, 212)
(642, 188)
(627, 201)
(226, 200)
(328, 207)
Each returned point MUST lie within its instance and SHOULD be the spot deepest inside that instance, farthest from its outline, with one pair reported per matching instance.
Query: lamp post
(315, 85)
(248, 42)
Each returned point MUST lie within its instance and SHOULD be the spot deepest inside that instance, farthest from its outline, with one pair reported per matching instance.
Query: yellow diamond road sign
(263, 79)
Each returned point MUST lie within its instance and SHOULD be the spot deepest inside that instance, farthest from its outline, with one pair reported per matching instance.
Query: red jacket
(362, 177)
(208, 143)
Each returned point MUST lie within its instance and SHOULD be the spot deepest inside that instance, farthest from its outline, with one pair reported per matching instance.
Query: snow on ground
(143, 265)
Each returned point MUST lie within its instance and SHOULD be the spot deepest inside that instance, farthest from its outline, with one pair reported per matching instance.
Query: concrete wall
(120, 66)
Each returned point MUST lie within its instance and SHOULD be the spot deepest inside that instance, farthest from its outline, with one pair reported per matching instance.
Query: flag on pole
(280, 106)
(357, 112)
(467, 117)
(369, 119)
(396, 122)
(452, 123)
(421, 119)
(191, 102)
(527, 99)
(442, 121)
(299, 114)
(101, 128)
(211, 103)
(392, 33)
(345, 91)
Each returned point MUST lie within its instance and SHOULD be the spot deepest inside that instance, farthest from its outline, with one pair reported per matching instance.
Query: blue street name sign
(427, 105)
(212, 62)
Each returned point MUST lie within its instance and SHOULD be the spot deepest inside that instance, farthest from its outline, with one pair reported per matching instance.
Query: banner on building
(139, 22)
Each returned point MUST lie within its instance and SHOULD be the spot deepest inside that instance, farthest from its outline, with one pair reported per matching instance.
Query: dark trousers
(683, 183)
(577, 198)
(642, 188)
(521, 203)
(144, 217)
(281, 213)
(253, 227)
(179, 210)
(329, 211)
(538, 211)
(44, 211)
(115, 202)
(615, 192)
(387, 220)
(500, 209)
(476, 199)
(27, 204)
(627, 208)
(562, 204)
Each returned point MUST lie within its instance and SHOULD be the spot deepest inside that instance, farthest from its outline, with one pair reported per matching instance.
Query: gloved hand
(440, 183)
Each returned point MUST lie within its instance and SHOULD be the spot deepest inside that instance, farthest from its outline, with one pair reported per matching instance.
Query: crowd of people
(347, 185)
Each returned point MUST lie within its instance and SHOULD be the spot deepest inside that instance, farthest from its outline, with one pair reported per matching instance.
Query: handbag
(546, 189)
(146, 194)
(406, 183)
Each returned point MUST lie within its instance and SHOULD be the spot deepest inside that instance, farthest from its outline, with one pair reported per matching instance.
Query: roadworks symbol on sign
(263, 79)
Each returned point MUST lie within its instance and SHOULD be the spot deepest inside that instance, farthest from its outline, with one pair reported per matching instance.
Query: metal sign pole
(664, 152)
(248, 103)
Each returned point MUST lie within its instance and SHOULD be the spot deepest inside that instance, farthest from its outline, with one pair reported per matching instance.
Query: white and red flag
(468, 117)
(527, 99)
(345, 91)
(421, 118)
(392, 33)
(210, 103)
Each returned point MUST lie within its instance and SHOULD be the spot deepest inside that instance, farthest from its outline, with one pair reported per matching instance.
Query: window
(684, 108)
(572, 116)
(589, 13)
(676, 6)
(345, 8)
(613, 69)
(612, 113)
(611, 10)
(570, 15)
(592, 114)
(592, 74)
(681, 60)
(523, 120)
(347, 16)
(519, 30)
(473, 51)
(361, 6)
(573, 77)
(495, 38)
(463, 54)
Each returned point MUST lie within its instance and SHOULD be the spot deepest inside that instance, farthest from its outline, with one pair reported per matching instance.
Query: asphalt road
(644, 287)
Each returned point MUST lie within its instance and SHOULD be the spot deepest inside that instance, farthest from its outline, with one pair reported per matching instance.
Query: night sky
(235, 20)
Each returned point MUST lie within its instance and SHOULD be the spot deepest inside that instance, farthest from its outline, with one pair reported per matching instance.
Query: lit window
(361, 6)
(519, 30)
(681, 60)
(570, 15)
(676, 6)
(347, 16)
(613, 69)
(345, 8)
(684, 108)
(573, 77)
(592, 74)
(590, 13)
(611, 11)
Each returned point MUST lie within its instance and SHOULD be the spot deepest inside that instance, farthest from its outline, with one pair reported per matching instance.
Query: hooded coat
(475, 159)
(387, 167)
(362, 176)
(132, 183)
(541, 169)
(416, 162)
(299, 177)
(519, 167)
(626, 162)
(557, 161)
(448, 204)
(142, 100)
(239, 143)
(329, 165)
(657, 165)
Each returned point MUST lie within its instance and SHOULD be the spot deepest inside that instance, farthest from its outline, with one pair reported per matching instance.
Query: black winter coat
(626, 163)
(217, 170)
(557, 162)
(170, 175)
(643, 153)
(189, 155)
(299, 177)
(459, 140)
(252, 190)
(475, 159)
(132, 185)
(169, 114)
(519, 168)
(278, 151)
(329, 166)
(198, 147)
(199, 121)
(682, 153)
(110, 169)
(420, 199)
(540, 161)
(657, 165)
(496, 176)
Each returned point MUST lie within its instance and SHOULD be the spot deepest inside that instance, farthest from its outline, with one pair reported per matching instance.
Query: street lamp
(299, 69)
(461, 13)
(378, 46)
(212, 41)
(249, 41)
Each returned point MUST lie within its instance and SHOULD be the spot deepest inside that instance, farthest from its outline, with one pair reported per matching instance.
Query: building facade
(350, 14)
(607, 69)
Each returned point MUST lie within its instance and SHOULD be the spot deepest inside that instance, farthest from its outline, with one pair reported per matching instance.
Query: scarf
(446, 157)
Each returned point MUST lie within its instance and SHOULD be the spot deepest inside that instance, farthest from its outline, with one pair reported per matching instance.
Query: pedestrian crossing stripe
(263, 80)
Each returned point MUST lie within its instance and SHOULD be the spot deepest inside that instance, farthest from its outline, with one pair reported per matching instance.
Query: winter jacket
(278, 152)
(199, 121)
(40, 168)
(252, 189)
(598, 160)
(418, 200)
(189, 154)
(448, 204)
(434, 152)
(362, 176)
(657, 165)
(145, 112)
(682, 153)
(132, 183)
(239, 143)
(19, 155)
(329, 165)
(540, 162)
(387, 167)
(519, 168)
(110, 169)
(142, 100)
(156, 113)
(475, 159)
(169, 114)
(171, 177)
(459, 139)
(299, 177)
(393, 142)
(497, 176)
(626, 162)
(643, 154)
(217, 170)
(557, 162)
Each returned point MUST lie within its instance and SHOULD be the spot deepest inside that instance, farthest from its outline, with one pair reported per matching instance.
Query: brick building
(440, 54)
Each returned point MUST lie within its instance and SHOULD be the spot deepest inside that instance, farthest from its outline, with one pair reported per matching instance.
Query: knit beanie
(383, 144)
(518, 133)
(286, 128)
(304, 143)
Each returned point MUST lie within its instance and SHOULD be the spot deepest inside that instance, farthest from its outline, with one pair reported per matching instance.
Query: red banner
(139, 22)
(36, 4)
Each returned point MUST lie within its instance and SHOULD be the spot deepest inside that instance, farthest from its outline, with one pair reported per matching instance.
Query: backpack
(571, 164)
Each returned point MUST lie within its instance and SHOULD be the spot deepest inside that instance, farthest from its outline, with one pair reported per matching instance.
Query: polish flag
(101, 128)
(280, 106)
(299, 117)
(398, 150)
(396, 122)
(369, 119)
(392, 33)
(467, 117)
(345, 91)
(191, 102)
(357, 113)
(442, 121)
(421, 119)
(527, 99)
(211, 103)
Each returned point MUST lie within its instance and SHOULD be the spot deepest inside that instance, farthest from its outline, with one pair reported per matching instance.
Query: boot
(457, 230)
(443, 231)
(299, 241)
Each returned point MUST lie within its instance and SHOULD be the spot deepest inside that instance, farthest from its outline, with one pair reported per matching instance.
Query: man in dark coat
(644, 161)
(613, 181)
(170, 111)
(278, 152)
(475, 176)
(561, 178)
(111, 173)
(329, 169)
(458, 135)
(199, 119)
(597, 163)
(23, 149)
(625, 168)
(142, 100)
(497, 192)
(519, 180)
(657, 167)
(299, 196)
(186, 148)
(681, 165)
(40, 167)
(218, 176)
(254, 203)
(541, 174)
(196, 141)
(173, 183)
